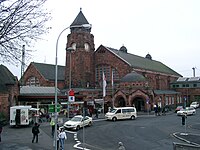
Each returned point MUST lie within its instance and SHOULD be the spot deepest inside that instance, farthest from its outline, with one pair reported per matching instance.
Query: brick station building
(9, 92)
(131, 79)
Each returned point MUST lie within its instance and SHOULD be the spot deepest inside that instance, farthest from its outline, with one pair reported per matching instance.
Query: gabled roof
(48, 71)
(138, 62)
(80, 20)
(6, 78)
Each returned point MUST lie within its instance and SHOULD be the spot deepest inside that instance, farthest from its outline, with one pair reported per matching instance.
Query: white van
(21, 115)
(119, 113)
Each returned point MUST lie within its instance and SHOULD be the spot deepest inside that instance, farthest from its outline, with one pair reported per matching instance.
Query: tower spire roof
(80, 19)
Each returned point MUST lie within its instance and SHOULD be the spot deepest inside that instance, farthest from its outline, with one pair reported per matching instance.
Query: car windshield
(180, 107)
(188, 108)
(76, 119)
(194, 103)
(113, 110)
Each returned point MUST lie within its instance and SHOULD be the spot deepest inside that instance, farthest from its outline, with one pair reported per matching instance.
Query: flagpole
(104, 91)
(112, 89)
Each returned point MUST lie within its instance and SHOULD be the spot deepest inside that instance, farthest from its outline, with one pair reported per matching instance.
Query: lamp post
(70, 49)
(56, 76)
(56, 86)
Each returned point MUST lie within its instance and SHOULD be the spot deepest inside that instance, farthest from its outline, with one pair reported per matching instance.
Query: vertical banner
(104, 85)
(112, 82)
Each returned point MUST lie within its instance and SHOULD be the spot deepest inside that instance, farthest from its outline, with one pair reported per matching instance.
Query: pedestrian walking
(35, 131)
(121, 146)
(163, 111)
(1, 129)
(52, 123)
(156, 109)
(62, 137)
(159, 110)
(58, 132)
(96, 113)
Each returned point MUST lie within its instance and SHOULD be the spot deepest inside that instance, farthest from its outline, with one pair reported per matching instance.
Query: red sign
(71, 92)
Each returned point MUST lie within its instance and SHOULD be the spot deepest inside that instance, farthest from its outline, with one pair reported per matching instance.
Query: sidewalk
(190, 138)
(21, 138)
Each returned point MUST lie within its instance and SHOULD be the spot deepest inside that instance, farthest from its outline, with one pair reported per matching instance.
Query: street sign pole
(71, 98)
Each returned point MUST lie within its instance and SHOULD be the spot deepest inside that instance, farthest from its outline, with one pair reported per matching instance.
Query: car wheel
(132, 117)
(89, 124)
(114, 119)
(78, 127)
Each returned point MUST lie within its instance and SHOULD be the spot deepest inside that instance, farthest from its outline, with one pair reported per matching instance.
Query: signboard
(71, 92)
(52, 108)
(71, 97)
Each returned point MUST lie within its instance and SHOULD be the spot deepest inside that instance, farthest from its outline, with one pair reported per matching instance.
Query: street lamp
(70, 49)
(56, 76)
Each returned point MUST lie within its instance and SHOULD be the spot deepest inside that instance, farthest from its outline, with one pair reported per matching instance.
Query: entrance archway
(139, 103)
(120, 102)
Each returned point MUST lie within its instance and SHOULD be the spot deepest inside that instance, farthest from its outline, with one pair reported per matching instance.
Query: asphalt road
(146, 132)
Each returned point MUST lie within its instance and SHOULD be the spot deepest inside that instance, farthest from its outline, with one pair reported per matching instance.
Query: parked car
(78, 122)
(187, 111)
(194, 104)
(178, 108)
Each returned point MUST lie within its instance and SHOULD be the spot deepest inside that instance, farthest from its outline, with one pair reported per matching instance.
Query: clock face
(87, 47)
(74, 46)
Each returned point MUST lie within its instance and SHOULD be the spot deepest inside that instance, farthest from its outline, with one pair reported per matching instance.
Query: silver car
(187, 111)
(78, 122)
(194, 104)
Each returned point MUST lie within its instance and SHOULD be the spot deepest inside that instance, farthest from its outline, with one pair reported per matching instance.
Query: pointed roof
(48, 71)
(138, 62)
(6, 78)
(80, 19)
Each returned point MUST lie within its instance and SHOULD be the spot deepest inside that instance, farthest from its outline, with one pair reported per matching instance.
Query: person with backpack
(35, 131)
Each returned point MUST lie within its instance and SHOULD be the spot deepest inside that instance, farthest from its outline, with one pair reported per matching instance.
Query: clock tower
(82, 56)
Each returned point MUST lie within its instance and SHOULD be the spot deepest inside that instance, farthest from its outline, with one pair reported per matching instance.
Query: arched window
(33, 81)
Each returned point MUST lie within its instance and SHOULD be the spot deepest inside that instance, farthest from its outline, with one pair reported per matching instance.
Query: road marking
(78, 143)
(70, 132)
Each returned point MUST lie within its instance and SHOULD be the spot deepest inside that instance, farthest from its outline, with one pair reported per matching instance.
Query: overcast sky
(169, 30)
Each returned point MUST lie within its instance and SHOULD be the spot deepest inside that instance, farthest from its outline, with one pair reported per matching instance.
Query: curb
(180, 138)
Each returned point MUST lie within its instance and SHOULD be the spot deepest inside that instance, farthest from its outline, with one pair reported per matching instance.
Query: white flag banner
(112, 82)
(104, 85)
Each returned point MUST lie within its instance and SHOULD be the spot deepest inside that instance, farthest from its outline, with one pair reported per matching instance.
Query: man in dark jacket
(1, 129)
(35, 131)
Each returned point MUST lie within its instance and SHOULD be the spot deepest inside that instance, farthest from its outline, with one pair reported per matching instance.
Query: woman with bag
(62, 138)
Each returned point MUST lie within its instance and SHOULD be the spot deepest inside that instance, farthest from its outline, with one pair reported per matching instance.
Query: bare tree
(22, 22)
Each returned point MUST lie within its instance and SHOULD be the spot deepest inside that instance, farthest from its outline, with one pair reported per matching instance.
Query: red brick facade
(9, 98)
(87, 66)
(32, 71)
